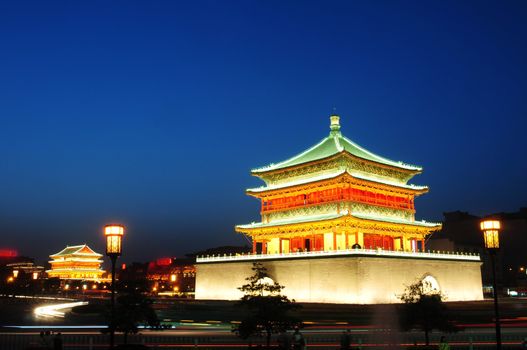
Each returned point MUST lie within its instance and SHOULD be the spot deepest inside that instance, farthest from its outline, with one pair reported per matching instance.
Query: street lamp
(114, 236)
(491, 233)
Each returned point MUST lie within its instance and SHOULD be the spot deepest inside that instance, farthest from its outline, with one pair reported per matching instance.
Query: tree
(131, 310)
(424, 309)
(268, 311)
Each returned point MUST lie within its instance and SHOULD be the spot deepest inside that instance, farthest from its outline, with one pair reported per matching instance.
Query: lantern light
(491, 232)
(15, 273)
(114, 236)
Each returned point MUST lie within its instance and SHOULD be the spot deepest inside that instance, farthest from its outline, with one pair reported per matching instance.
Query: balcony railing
(462, 256)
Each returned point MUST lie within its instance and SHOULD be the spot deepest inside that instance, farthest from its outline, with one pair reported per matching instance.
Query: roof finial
(334, 121)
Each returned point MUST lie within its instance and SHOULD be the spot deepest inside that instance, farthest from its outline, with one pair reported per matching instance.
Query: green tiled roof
(303, 219)
(331, 145)
(331, 176)
(396, 220)
(292, 221)
(69, 250)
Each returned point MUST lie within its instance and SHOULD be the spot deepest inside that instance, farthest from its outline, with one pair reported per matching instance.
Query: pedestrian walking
(43, 341)
(57, 341)
(284, 341)
(345, 340)
(299, 343)
(443, 344)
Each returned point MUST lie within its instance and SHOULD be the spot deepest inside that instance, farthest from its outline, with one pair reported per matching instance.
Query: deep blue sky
(152, 113)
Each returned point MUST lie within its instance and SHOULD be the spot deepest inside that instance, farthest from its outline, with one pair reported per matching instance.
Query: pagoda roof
(324, 217)
(334, 144)
(333, 175)
(82, 249)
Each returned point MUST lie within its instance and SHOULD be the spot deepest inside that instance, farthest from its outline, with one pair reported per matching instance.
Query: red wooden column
(279, 246)
(254, 246)
(334, 241)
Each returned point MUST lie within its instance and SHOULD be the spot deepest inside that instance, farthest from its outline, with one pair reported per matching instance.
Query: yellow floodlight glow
(114, 236)
(173, 278)
(15, 273)
(491, 233)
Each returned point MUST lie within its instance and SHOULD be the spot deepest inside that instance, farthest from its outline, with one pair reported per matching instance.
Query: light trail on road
(55, 310)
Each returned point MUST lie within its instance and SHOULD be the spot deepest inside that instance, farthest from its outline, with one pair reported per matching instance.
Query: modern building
(338, 225)
(461, 232)
(27, 270)
(15, 268)
(171, 276)
(77, 262)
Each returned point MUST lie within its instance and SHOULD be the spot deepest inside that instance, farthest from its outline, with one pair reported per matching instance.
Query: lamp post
(491, 233)
(114, 236)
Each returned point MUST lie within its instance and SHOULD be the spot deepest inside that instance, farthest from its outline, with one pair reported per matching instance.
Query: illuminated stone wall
(356, 279)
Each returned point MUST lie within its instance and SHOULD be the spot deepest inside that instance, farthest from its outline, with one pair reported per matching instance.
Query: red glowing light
(163, 261)
(8, 253)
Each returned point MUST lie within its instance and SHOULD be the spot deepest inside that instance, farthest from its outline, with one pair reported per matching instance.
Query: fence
(315, 341)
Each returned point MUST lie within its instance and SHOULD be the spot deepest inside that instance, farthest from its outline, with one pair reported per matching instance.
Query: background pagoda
(77, 262)
(334, 196)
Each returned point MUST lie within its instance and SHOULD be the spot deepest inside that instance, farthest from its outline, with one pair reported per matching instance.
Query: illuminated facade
(338, 226)
(336, 195)
(78, 262)
(171, 276)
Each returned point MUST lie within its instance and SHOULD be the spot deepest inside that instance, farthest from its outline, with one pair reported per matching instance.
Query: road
(206, 325)
(206, 336)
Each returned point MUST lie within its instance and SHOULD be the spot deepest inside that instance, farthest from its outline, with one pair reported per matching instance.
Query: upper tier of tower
(336, 154)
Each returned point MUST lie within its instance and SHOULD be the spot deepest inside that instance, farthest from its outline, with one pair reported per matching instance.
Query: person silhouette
(57, 342)
(443, 344)
(299, 342)
(345, 340)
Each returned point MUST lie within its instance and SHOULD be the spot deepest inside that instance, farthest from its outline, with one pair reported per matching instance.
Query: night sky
(152, 113)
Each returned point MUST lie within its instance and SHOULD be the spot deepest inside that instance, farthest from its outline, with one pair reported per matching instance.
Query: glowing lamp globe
(491, 233)
(114, 236)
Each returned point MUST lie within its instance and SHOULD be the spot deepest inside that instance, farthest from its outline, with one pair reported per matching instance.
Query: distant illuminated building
(338, 225)
(26, 269)
(172, 276)
(78, 262)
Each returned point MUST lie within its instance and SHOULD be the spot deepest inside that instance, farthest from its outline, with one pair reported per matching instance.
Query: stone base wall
(348, 279)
